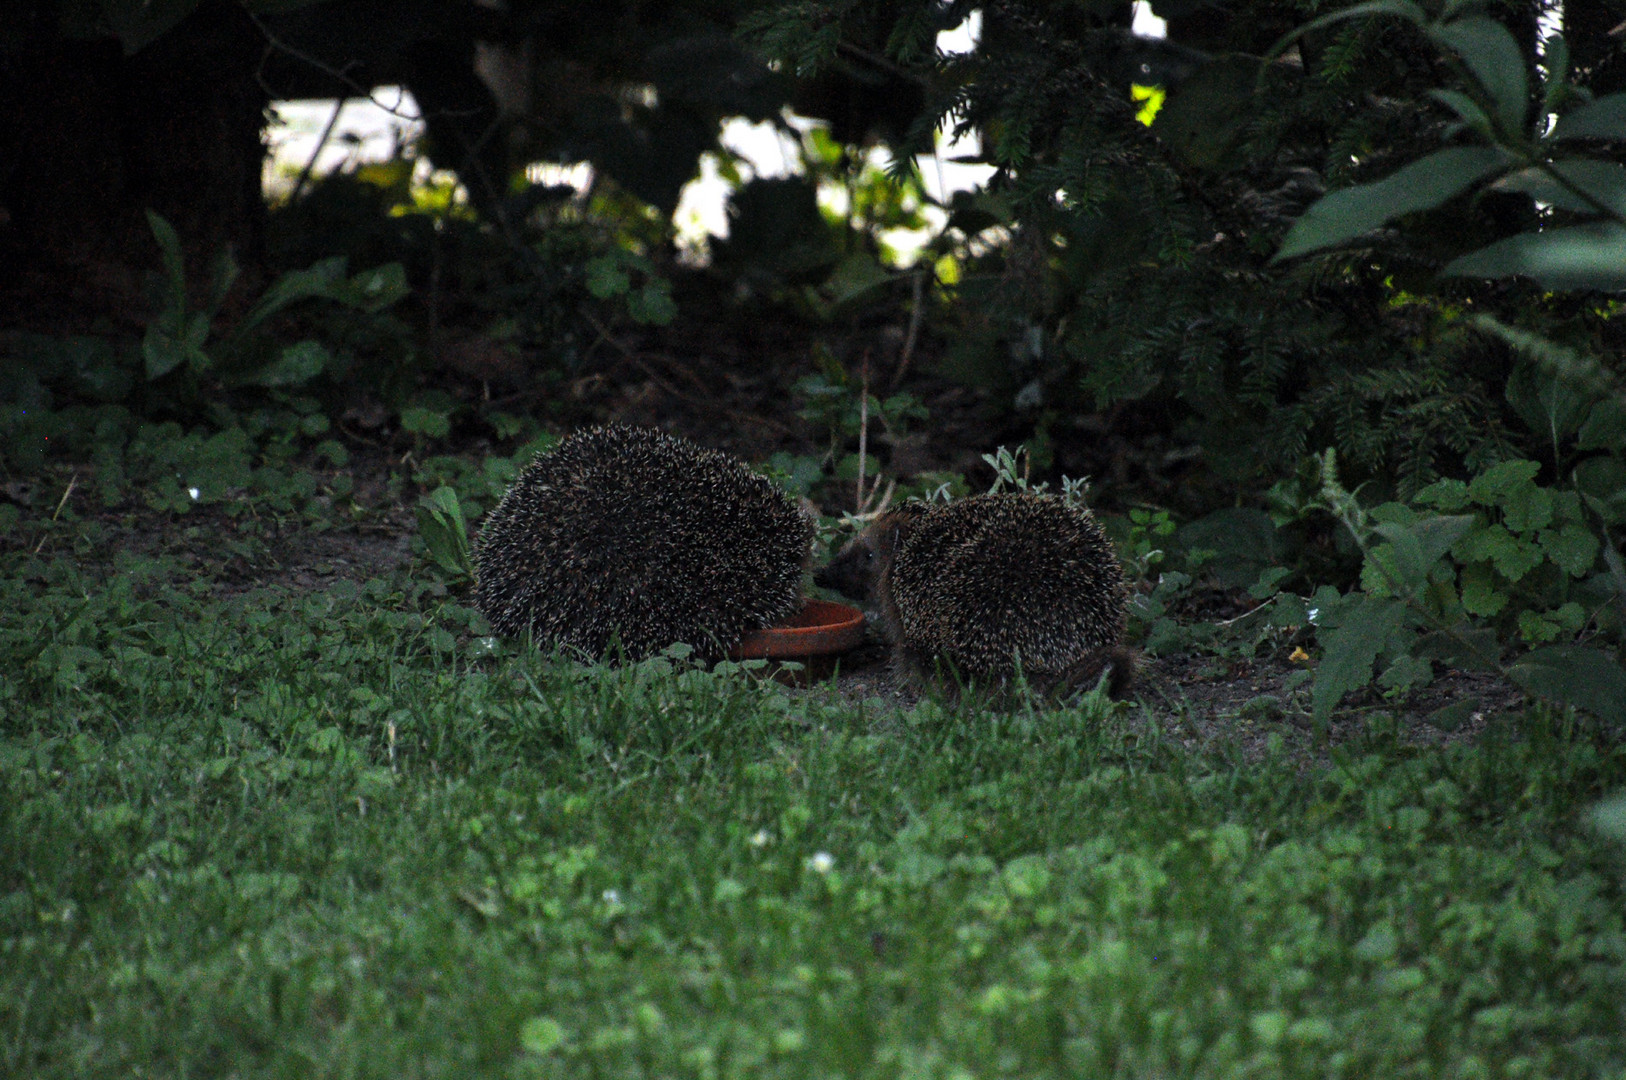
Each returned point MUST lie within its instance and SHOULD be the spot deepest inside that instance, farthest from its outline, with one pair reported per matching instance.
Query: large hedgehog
(992, 583)
(631, 537)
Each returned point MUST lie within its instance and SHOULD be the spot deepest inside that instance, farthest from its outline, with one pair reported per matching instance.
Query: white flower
(822, 862)
(193, 492)
(759, 838)
(611, 896)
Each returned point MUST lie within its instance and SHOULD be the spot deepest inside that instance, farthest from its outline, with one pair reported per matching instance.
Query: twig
(321, 143)
(909, 339)
(655, 377)
(863, 432)
(73, 482)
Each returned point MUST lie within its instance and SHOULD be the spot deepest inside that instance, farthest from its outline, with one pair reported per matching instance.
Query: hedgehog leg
(1117, 664)
(910, 666)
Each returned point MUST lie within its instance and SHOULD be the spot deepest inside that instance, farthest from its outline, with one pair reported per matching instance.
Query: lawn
(332, 832)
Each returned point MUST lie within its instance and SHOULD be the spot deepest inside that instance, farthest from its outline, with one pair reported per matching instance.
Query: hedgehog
(990, 585)
(629, 539)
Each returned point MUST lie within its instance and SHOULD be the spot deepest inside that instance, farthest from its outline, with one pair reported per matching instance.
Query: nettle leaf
(1573, 547)
(1482, 593)
(1603, 118)
(1497, 63)
(1468, 648)
(1575, 675)
(1590, 256)
(1422, 185)
(1407, 673)
(1493, 486)
(1413, 549)
(1366, 626)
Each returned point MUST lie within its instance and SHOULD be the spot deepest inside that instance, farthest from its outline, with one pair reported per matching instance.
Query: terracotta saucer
(814, 636)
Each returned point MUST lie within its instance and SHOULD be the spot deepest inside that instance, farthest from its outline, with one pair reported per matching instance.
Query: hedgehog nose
(823, 578)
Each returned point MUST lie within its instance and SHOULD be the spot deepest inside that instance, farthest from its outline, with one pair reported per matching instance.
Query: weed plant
(342, 834)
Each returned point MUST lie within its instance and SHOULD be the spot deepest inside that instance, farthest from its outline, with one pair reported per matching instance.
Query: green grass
(333, 835)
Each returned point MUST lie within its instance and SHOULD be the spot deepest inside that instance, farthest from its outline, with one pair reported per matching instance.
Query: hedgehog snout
(850, 573)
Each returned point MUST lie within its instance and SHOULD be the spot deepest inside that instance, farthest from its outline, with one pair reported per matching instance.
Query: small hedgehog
(992, 582)
(631, 536)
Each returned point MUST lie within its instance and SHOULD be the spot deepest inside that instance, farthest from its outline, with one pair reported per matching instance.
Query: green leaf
(606, 277)
(853, 276)
(1551, 405)
(138, 23)
(1555, 59)
(1536, 628)
(1496, 484)
(298, 364)
(1575, 675)
(1422, 185)
(223, 271)
(1465, 107)
(541, 1035)
(1602, 118)
(320, 279)
(373, 290)
(1444, 495)
(1497, 63)
(1467, 648)
(1602, 483)
(1609, 817)
(1605, 427)
(1365, 627)
(1482, 593)
(1512, 557)
(652, 305)
(1405, 9)
(430, 423)
(1573, 547)
(169, 251)
(1528, 508)
(1589, 256)
(1417, 547)
(1453, 716)
(1601, 184)
(163, 349)
(444, 532)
